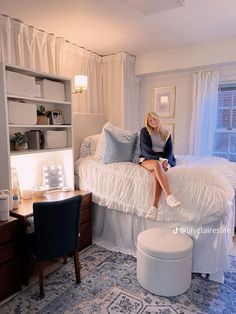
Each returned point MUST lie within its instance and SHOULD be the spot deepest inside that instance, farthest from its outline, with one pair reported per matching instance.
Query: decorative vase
(23, 146)
(43, 120)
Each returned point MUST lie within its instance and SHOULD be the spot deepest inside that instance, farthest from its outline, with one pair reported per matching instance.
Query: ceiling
(109, 26)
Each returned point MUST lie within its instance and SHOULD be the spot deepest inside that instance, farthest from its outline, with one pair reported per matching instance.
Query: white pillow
(89, 144)
(85, 147)
(94, 142)
(118, 132)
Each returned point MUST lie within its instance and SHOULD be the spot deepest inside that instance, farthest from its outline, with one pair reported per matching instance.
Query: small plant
(41, 111)
(19, 139)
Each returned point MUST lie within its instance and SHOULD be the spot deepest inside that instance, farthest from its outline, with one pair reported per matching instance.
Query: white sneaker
(172, 201)
(152, 213)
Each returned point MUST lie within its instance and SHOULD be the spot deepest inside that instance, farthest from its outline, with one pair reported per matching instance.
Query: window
(225, 136)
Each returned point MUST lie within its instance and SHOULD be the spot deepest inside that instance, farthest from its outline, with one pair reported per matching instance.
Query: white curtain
(131, 95)
(120, 91)
(203, 123)
(26, 46)
(72, 60)
(29, 47)
(112, 87)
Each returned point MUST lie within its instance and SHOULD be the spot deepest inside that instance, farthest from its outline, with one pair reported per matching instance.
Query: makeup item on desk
(26, 194)
(15, 191)
(14, 200)
(4, 205)
(39, 191)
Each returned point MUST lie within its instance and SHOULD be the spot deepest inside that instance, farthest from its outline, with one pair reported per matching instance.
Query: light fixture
(53, 177)
(148, 7)
(81, 83)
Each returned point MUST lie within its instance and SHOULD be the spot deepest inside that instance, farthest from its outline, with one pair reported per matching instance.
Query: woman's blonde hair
(164, 134)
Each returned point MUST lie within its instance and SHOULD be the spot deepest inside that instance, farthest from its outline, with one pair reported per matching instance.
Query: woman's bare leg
(156, 190)
(155, 165)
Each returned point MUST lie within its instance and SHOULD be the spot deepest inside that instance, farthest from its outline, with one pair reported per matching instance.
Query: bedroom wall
(183, 83)
(183, 110)
(188, 57)
(175, 68)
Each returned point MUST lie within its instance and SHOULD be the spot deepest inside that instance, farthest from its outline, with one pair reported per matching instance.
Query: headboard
(85, 124)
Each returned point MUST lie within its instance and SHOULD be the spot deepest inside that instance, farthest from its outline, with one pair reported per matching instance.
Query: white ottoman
(164, 261)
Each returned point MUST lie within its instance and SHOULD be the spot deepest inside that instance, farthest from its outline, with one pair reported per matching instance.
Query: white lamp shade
(81, 82)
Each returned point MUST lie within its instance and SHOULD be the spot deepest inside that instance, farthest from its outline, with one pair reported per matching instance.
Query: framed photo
(171, 128)
(164, 101)
(57, 117)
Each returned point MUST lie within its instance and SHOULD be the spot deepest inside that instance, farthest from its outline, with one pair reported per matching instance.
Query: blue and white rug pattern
(109, 285)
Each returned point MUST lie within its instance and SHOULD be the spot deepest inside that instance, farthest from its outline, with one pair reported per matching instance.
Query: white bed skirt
(118, 231)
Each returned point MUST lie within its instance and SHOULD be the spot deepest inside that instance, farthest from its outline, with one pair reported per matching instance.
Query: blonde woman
(157, 156)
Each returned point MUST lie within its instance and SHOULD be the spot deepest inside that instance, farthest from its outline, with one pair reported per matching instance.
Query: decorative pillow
(118, 150)
(89, 144)
(119, 134)
(94, 142)
(137, 150)
(85, 147)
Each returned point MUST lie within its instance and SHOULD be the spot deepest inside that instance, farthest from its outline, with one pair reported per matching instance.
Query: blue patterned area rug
(109, 285)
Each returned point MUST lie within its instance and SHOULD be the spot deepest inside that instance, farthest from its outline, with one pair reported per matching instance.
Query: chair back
(56, 227)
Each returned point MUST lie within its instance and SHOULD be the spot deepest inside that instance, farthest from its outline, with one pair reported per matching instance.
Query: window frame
(226, 130)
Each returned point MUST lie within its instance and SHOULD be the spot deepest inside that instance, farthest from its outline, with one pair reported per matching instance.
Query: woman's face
(153, 122)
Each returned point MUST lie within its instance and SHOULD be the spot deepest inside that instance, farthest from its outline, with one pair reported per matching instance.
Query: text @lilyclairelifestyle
(201, 230)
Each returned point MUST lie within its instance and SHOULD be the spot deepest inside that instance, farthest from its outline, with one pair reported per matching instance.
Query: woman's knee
(153, 176)
(152, 165)
(157, 165)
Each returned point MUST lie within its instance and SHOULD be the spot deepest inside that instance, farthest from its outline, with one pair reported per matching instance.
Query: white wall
(184, 58)
(183, 82)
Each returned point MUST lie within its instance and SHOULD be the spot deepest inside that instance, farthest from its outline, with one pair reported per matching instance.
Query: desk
(9, 258)
(25, 210)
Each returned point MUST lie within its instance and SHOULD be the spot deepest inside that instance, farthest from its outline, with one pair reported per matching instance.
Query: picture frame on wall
(57, 117)
(164, 101)
(171, 128)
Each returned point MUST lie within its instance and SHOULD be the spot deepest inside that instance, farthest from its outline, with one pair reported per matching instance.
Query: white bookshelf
(29, 163)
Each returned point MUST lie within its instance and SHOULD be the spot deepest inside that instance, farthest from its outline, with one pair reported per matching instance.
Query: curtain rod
(40, 30)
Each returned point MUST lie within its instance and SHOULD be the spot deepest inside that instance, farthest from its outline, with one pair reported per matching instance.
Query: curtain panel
(112, 87)
(120, 91)
(28, 47)
(204, 112)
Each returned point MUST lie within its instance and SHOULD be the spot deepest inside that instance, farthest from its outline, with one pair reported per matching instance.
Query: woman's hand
(165, 165)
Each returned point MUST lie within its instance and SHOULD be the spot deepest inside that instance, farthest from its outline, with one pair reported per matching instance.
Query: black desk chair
(56, 233)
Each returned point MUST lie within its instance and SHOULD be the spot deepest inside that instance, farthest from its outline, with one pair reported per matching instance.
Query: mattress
(205, 187)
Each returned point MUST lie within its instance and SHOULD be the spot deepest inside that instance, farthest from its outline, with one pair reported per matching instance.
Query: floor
(58, 263)
(52, 266)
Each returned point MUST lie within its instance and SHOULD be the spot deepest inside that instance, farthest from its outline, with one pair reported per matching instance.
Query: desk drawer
(8, 232)
(9, 279)
(85, 235)
(8, 252)
(85, 215)
(86, 201)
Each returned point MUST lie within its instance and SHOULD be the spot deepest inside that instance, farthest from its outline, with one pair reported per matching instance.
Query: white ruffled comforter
(205, 187)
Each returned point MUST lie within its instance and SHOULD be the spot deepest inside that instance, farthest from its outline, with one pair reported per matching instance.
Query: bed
(121, 197)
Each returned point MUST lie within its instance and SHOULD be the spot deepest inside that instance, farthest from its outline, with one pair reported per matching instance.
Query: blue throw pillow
(118, 150)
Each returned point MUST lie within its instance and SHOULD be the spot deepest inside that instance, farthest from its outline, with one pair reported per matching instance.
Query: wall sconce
(81, 83)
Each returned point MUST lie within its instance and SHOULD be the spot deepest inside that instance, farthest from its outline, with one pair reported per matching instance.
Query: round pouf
(164, 261)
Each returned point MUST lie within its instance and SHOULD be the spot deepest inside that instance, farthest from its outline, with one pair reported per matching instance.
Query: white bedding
(205, 187)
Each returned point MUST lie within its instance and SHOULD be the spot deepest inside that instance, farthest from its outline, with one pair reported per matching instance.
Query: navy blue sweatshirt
(148, 153)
